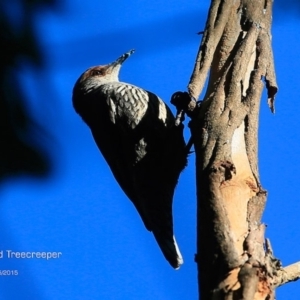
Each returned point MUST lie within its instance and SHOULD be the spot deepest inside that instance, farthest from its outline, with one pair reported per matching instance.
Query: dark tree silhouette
(21, 150)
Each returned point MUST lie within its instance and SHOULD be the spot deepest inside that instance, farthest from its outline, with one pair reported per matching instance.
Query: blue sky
(80, 210)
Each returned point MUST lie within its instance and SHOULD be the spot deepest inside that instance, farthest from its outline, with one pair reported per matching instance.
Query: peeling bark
(234, 259)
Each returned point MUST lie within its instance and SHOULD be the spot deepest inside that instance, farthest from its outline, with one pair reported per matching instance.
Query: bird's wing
(115, 154)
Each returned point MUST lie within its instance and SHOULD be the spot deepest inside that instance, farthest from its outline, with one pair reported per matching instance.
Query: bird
(136, 133)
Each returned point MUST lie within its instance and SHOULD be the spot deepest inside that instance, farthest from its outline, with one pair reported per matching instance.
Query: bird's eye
(97, 72)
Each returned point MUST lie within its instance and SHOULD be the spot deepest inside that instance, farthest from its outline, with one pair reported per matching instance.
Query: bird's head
(95, 76)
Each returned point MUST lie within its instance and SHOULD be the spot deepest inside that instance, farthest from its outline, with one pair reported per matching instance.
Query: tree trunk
(234, 259)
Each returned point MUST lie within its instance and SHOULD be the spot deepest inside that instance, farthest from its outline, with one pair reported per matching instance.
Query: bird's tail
(169, 248)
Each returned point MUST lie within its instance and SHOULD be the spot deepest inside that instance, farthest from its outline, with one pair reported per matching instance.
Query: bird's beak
(122, 58)
(114, 67)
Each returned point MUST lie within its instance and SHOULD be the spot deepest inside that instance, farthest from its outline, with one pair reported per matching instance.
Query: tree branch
(287, 274)
(215, 25)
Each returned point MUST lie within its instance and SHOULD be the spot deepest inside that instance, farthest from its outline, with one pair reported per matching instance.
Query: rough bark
(234, 259)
